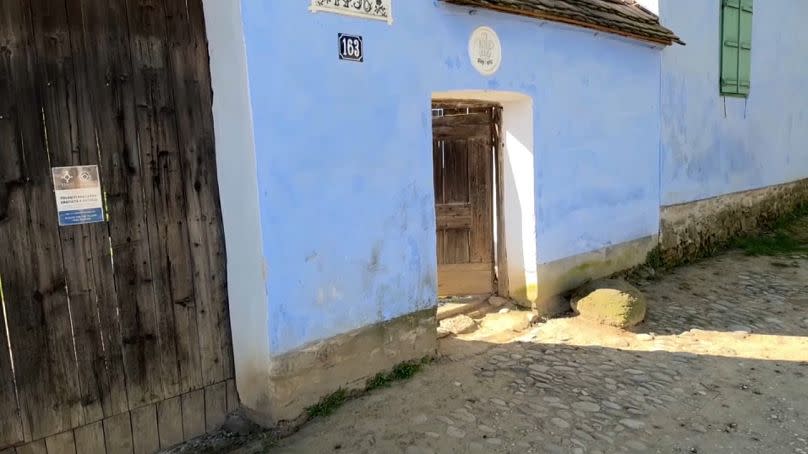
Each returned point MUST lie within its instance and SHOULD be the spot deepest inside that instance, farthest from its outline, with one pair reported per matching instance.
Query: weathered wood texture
(145, 429)
(465, 279)
(503, 284)
(114, 325)
(463, 159)
(191, 81)
(169, 420)
(12, 212)
(90, 439)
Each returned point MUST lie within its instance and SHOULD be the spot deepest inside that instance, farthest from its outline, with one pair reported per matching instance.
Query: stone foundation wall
(695, 229)
(567, 274)
(301, 378)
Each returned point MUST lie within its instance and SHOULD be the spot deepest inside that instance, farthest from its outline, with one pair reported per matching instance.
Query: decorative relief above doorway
(368, 9)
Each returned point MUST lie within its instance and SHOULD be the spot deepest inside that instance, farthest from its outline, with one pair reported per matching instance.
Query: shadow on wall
(518, 185)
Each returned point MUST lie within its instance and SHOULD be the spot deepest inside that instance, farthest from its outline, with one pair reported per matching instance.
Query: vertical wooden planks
(215, 406)
(456, 190)
(456, 171)
(144, 430)
(129, 314)
(15, 266)
(233, 403)
(440, 199)
(503, 284)
(169, 422)
(464, 194)
(190, 76)
(90, 439)
(10, 422)
(209, 201)
(62, 443)
(193, 414)
(107, 317)
(36, 447)
(12, 56)
(71, 140)
(163, 190)
(12, 217)
(37, 304)
(481, 197)
(437, 165)
(118, 434)
(99, 349)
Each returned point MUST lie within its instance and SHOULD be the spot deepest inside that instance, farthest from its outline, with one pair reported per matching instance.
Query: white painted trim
(519, 188)
(238, 191)
(519, 198)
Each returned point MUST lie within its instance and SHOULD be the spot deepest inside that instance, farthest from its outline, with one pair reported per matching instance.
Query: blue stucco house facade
(731, 162)
(326, 165)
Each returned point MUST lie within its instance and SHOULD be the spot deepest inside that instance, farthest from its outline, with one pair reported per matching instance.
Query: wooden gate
(115, 335)
(464, 139)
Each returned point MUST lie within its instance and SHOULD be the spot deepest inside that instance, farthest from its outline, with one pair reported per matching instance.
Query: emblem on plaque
(485, 51)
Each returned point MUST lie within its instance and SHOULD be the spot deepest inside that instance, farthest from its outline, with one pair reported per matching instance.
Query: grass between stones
(785, 236)
(777, 243)
(404, 371)
(789, 235)
(329, 404)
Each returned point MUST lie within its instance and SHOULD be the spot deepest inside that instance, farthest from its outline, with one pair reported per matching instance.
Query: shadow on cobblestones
(720, 365)
(528, 397)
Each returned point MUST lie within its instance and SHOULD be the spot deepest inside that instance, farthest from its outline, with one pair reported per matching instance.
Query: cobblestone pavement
(720, 365)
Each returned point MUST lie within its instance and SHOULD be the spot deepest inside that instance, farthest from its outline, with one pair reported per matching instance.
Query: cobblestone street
(720, 365)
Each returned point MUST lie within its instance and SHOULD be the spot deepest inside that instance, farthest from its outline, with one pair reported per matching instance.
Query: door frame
(500, 285)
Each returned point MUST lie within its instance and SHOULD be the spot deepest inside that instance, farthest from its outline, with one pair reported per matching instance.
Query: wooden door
(463, 157)
(115, 335)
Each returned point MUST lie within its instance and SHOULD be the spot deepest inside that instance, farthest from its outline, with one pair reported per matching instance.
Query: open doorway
(466, 138)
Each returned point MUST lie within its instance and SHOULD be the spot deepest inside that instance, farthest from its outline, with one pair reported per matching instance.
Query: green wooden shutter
(736, 47)
(730, 39)
(745, 51)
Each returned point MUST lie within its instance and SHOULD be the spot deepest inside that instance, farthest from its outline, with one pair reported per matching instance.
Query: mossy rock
(612, 302)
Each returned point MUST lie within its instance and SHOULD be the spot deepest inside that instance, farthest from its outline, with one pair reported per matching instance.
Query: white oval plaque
(485, 51)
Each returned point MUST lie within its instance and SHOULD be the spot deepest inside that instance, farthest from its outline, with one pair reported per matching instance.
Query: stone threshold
(452, 307)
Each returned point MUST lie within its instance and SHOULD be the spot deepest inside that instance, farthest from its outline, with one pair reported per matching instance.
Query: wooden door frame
(500, 249)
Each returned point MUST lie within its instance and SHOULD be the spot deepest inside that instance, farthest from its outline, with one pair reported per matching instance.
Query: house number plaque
(351, 48)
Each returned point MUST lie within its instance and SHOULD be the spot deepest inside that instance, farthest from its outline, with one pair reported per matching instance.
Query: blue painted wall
(713, 145)
(345, 155)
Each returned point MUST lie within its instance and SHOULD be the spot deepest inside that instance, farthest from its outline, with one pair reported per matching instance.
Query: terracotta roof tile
(623, 17)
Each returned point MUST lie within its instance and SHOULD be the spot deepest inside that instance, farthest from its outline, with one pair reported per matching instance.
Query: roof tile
(623, 17)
